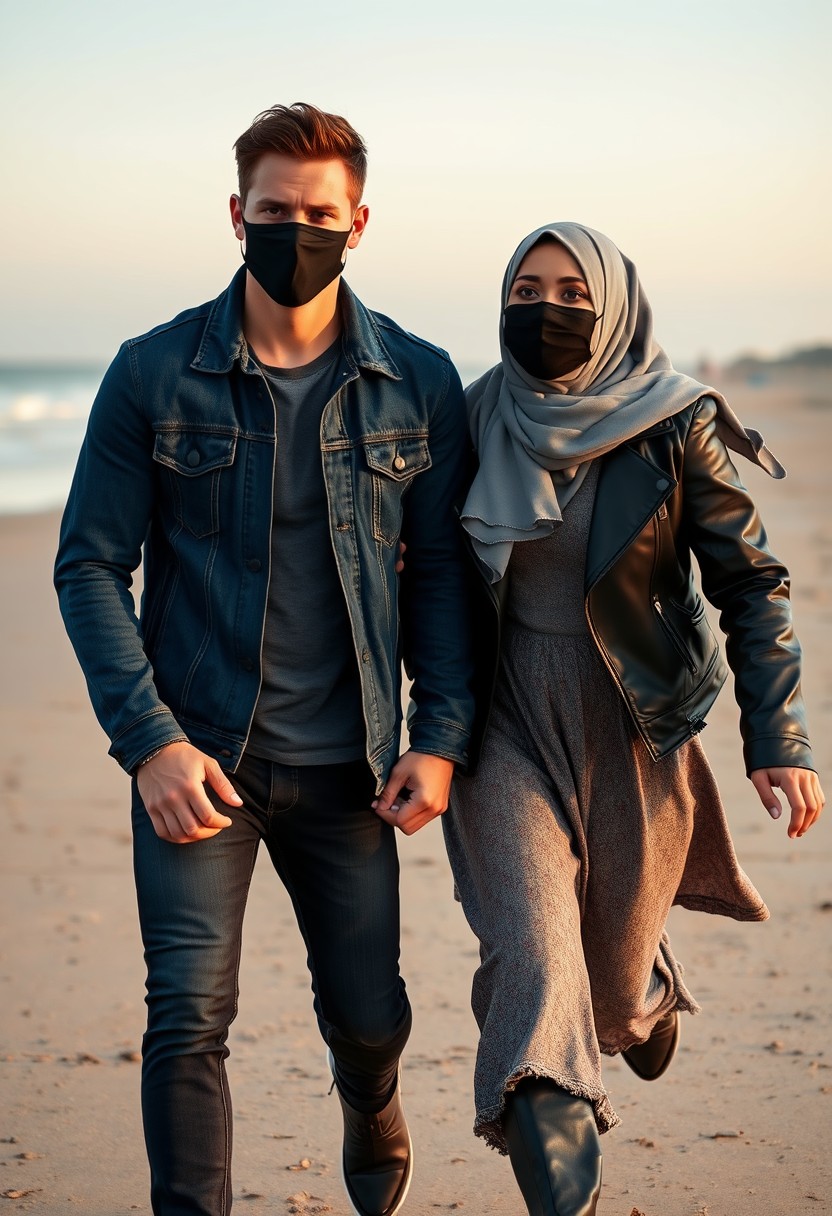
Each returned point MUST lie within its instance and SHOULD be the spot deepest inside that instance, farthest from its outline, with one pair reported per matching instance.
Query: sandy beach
(741, 1124)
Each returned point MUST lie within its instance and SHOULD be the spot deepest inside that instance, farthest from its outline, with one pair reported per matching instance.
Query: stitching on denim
(221, 1060)
(226, 1154)
(151, 713)
(441, 722)
(335, 445)
(295, 793)
(383, 573)
(206, 637)
(174, 586)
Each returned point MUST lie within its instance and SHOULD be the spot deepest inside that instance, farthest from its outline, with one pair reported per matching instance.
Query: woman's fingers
(761, 783)
(802, 788)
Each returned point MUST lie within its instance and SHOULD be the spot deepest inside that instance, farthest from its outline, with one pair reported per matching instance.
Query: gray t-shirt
(309, 710)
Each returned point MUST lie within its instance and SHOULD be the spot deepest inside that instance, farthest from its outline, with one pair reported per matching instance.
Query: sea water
(43, 416)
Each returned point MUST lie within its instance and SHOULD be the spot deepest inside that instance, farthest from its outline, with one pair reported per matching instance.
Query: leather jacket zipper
(611, 669)
(674, 637)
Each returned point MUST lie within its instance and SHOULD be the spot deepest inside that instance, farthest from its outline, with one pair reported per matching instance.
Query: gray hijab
(535, 438)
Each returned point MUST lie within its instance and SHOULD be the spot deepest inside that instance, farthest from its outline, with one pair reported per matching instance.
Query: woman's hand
(802, 788)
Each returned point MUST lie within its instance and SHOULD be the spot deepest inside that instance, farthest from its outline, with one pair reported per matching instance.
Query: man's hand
(172, 786)
(417, 791)
(802, 788)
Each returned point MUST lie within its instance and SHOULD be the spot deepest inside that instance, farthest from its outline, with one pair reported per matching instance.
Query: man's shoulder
(178, 329)
(400, 340)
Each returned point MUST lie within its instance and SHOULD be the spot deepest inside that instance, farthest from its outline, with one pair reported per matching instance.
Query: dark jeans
(338, 862)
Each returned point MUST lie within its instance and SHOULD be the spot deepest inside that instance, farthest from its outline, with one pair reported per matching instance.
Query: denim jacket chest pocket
(194, 461)
(394, 462)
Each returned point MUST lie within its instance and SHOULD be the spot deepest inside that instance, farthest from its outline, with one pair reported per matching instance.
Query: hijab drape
(535, 438)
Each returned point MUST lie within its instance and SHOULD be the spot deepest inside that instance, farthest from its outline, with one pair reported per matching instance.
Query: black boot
(554, 1149)
(651, 1060)
(377, 1161)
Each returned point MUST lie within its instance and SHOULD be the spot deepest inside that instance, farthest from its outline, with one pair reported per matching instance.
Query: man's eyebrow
(282, 202)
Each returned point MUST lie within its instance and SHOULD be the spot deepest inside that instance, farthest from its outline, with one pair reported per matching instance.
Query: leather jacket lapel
(631, 488)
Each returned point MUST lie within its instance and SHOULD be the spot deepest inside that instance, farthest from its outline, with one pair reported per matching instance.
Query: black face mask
(293, 263)
(548, 340)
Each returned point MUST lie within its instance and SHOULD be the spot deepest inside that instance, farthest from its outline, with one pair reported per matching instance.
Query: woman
(592, 809)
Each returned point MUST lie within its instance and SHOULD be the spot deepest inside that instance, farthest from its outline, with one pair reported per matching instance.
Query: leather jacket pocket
(195, 460)
(393, 463)
(674, 636)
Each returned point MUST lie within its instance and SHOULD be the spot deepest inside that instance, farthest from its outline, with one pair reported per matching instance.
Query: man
(269, 451)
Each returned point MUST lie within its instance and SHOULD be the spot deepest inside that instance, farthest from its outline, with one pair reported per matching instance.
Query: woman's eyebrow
(535, 278)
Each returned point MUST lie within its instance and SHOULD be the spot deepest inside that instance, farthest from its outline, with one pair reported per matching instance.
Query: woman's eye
(572, 295)
(526, 293)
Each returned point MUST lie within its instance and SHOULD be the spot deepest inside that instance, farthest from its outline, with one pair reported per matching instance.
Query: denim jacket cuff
(149, 734)
(437, 738)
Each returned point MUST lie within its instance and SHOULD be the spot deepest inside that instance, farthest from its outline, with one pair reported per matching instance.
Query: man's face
(284, 190)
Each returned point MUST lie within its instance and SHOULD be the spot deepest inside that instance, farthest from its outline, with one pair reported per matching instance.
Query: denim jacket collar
(223, 343)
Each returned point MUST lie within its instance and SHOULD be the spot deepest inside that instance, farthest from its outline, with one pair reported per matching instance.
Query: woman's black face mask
(548, 340)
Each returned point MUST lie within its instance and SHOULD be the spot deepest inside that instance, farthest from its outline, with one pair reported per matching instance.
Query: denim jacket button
(193, 458)
(399, 463)
(662, 483)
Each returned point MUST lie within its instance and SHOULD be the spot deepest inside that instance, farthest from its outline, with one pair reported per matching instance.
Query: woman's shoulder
(476, 388)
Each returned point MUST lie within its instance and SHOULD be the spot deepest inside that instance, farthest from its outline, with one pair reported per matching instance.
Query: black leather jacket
(669, 493)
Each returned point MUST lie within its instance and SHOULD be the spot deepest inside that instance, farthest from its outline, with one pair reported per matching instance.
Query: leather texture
(670, 495)
(651, 1059)
(377, 1159)
(554, 1149)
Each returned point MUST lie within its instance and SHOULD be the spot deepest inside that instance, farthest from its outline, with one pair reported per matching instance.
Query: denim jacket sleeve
(436, 639)
(103, 528)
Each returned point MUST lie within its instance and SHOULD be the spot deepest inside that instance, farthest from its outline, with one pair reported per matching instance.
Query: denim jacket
(179, 459)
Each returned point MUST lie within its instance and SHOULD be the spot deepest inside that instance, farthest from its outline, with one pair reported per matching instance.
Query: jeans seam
(224, 1191)
(221, 1062)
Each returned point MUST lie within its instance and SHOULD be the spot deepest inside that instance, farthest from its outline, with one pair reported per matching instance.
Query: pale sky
(694, 134)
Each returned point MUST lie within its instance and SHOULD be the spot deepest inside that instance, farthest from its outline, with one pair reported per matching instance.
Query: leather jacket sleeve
(750, 589)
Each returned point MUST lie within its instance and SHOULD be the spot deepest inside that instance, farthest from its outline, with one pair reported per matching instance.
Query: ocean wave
(27, 409)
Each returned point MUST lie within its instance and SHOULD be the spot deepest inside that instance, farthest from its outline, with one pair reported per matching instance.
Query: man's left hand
(417, 790)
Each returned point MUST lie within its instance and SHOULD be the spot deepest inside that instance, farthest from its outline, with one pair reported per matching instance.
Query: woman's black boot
(554, 1149)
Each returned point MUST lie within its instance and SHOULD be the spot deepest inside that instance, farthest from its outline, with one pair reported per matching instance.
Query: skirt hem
(488, 1124)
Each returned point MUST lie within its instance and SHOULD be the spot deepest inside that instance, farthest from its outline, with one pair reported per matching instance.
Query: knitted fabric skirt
(568, 846)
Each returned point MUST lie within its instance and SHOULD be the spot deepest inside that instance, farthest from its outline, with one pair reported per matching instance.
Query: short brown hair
(306, 133)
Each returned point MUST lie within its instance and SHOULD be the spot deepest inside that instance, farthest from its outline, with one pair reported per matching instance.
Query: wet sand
(741, 1124)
